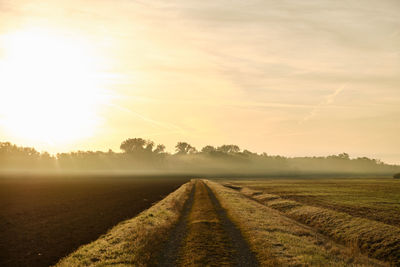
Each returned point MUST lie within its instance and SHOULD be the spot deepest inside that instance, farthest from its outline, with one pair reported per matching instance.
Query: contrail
(169, 126)
(329, 99)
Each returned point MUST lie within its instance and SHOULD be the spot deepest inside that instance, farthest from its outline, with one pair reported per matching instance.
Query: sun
(51, 88)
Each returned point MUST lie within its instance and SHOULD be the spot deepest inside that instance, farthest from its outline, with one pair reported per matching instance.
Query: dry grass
(375, 199)
(376, 239)
(280, 241)
(135, 241)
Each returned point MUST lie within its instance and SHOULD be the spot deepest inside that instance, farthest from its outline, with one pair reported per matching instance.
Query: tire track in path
(205, 236)
(244, 255)
(169, 253)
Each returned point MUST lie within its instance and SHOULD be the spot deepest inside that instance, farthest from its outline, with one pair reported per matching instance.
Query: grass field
(376, 199)
(363, 214)
(45, 218)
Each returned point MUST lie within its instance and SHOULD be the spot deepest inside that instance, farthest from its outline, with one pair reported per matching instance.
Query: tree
(149, 145)
(133, 145)
(184, 148)
(229, 149)
(396, 176)
(208, 149)
(248, 153)
(8, 149)
(344, 156)
(159, 149)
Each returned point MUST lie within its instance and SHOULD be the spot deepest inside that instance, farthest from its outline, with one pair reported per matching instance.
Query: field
(42, 219)
(227, 223)
(221, 222)
(188, 228)
(362, 214)
(376, 199)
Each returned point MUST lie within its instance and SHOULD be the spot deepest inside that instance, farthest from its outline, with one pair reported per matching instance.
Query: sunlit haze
(293, 78)
(52, 90)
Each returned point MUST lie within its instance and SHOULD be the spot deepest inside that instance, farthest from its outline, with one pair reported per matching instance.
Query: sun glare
(51, 89)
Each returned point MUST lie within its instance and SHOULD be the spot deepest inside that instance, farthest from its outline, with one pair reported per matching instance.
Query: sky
(293, 78)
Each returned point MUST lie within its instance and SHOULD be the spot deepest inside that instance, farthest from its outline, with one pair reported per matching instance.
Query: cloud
(163, 125)
(328, 99)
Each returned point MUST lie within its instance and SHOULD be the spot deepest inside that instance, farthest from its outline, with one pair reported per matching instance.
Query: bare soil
(43, 219)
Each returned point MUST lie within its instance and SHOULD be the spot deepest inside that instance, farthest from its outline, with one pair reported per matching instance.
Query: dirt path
(205, 236)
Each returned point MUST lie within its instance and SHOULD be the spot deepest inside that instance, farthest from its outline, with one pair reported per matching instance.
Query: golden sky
(285, 77)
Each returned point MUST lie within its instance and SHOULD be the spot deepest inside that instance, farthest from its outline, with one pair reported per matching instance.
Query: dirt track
(205, 236)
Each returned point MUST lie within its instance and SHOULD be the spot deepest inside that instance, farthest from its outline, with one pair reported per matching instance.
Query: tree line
(140, 155)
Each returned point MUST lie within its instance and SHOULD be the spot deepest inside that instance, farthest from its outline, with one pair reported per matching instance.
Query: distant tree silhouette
(134, 145)
(344, 156)
(183, 148)
(149, 146)
(248, 153)
(6, 148)
(159, 149)
(208, 149)
(229, 149)
(139, 154)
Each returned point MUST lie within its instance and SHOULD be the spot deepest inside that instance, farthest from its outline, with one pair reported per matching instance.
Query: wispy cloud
(164, 125)
(328, 99)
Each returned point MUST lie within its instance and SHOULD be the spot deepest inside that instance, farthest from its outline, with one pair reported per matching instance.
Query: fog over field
(143, 157)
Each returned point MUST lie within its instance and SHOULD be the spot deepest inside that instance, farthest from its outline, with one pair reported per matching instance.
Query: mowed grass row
(372, 198)
(280, 241)
(377, 239)
(134, 242)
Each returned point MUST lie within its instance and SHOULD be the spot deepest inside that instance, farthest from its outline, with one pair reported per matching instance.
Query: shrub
(396, 176)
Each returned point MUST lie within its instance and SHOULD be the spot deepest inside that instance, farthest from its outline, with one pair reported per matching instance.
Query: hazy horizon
(309, 78)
